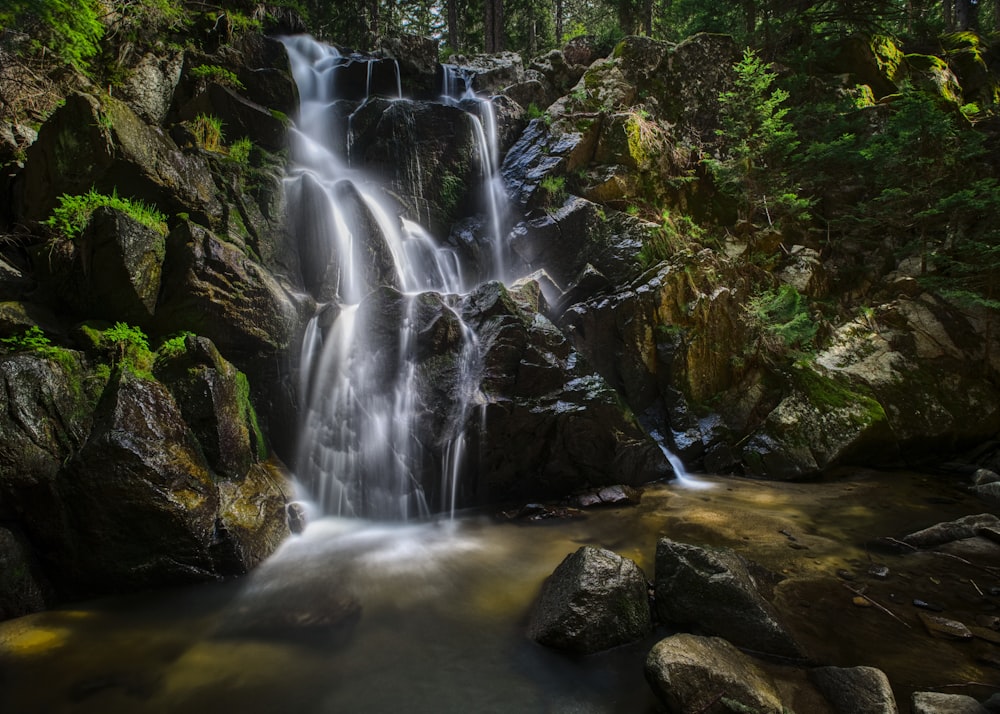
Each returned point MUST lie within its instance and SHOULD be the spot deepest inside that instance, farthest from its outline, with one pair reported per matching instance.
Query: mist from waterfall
(359, 453)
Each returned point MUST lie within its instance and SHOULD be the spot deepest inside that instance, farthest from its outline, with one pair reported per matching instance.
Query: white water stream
(358, 453)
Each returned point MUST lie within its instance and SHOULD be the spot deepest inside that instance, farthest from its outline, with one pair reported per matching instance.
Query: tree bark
(559, 21)
(493, 17)
(453, 41)
(949, 15)
(963, 15)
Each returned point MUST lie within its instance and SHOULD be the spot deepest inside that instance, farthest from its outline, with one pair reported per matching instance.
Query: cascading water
(360, 452)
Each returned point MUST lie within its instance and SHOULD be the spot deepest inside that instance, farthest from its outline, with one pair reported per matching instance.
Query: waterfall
(363, 445)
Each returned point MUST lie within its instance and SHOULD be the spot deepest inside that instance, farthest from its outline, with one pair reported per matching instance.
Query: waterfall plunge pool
(441, 611)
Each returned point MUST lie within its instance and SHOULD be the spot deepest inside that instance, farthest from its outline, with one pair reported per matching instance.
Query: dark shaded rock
(594, 600)
(938, 703)
(102, 144)
(22, 590)
(855, 690)
(213, 289)
(213, 397)
(111, 272)
(707, 674)
(540, 394)
(149, 85)
(46, 413)
(988, 492)
(417, 58)
(534, 512)
(240, 117)
(265, 72)
(491, 73)
(984, 476)
(712, 589)
(581, 50)
(139, 500)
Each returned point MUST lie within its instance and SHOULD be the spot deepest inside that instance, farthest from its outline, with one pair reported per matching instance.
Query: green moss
(249, 416)
(128, 348)
(452, 188)
(888, 56)
(218, 74)
(826, 394)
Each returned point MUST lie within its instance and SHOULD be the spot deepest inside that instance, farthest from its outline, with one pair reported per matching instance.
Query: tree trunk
(493, 16)
(453, 41)
(373, 25)
(559, 21)
(963, 15)
(949, 15)
(647, 18)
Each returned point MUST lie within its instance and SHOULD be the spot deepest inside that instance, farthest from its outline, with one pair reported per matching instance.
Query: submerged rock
(712, 589)
(938, 703)
(594, 600)
(707, 674)
(855, 690)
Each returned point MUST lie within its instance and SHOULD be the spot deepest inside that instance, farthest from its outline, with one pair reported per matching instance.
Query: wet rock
(988, 492)
(619, 495)
(252, 520)
(984, 476)
(594, 600)
(417, 58)
(139, 498)
(713, 589)
(533, 512)
(926, 605)
(985, 633)
(855, 690)
(213, 289)
(938, 703)
(491, 72)
(944, 627)
(213, 397)
(945, 532)
(707, 674)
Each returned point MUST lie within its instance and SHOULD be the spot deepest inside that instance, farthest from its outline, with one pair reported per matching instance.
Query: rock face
(594, 600)
(707, 674)
(937, 703)
(539, 393)
(713, 590)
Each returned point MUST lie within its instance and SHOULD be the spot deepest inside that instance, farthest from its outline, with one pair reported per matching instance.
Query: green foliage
(173, 347)
(452, 191)
(533, 112)
(757, 141)
(783, 316)
(208, 132)
(73, 213)
(71, 29)
(674, 234)
(129, 348)
(32, 339)
(553, 190)
(218, 74)
(239, 151)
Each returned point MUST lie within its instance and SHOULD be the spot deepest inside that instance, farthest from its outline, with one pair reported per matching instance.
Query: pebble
(933, 607)
(845, 574)
(861, 601)
(879, 571)
(944, 628)
(985, 633)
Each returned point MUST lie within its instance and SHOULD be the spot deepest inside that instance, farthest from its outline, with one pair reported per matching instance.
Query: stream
(433, 614)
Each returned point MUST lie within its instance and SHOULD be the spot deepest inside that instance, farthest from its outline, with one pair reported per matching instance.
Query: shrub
(553, 190)
(208, 131)
(217, 74)
(240, 150)
(783, 315)
(129, 346)
(70, 217)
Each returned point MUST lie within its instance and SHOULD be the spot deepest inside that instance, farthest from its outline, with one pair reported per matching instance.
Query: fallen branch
(881, 607)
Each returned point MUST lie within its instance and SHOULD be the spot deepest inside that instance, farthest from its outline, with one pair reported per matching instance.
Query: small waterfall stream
(359, 453)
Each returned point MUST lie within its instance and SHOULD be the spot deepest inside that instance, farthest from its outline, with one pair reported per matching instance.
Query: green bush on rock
(70, 217)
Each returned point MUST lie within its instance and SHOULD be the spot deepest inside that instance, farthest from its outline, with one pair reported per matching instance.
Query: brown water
(444, 606)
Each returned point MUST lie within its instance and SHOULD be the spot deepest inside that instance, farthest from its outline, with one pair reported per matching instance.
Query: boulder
(417, 58)
(855, 690)
(594, 600)
(490, 73)
(938, 703)
(102, 144)
(149, 85)
(707, 674)
(240, 117)
(213, 289)
(138, 498)
(253, 519)
(713, 590)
